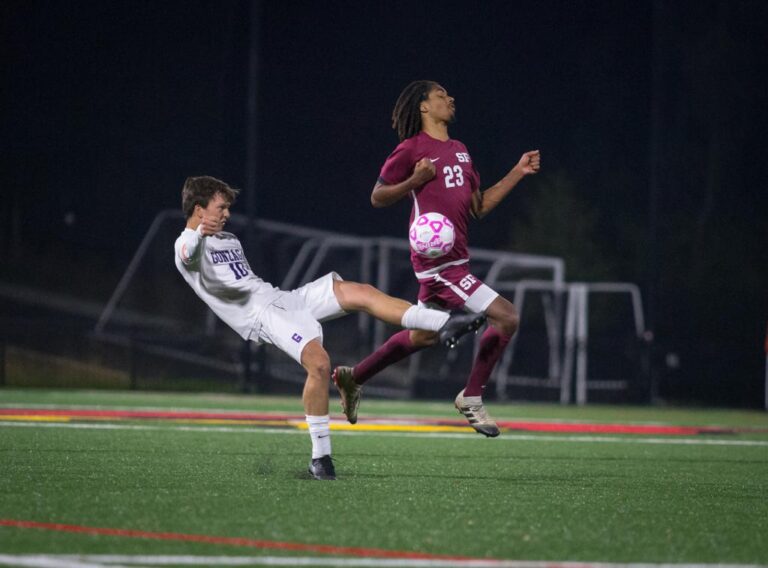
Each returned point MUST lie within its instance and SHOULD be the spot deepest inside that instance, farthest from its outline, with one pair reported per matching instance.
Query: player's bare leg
(503, 323)
(357, 297)
(354, 296)
(502, 315)
(315, 360)
(317, 363)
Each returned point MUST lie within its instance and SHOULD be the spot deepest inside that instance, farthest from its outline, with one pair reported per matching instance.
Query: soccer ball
(431, 235)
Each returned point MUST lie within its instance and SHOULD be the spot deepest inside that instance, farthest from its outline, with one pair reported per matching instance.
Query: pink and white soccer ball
(431, 235)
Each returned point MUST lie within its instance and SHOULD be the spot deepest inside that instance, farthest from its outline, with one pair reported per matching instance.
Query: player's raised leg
(315, 360)
(357, 297)
(503, 323)
(354, 296)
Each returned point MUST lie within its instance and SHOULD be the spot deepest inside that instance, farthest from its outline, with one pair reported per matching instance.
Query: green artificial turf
(545, 498)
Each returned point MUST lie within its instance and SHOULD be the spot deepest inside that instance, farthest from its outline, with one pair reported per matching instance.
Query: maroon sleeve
(399, 165)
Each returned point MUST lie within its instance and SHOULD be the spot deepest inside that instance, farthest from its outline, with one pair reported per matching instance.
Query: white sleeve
(188, 245)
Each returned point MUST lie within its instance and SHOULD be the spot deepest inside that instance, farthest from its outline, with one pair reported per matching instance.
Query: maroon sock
(492, 345)
(396, 348)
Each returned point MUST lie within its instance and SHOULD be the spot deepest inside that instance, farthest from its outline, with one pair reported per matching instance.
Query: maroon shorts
(455, 288)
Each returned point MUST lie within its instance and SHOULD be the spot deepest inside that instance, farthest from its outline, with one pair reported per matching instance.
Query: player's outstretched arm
(384, 195)
(484, 202)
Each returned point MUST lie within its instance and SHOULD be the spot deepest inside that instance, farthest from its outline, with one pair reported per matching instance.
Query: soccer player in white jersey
(438, 174)
(214, 265)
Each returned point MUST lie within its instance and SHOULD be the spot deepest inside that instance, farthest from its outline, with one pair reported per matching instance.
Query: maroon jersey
(449, 192)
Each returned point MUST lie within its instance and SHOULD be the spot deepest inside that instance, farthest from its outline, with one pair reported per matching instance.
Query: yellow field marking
(301, 425)
(229, 422)
(391, 427)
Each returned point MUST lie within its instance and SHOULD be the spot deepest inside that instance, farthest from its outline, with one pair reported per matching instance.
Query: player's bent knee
(320, 366)
(506, 322)
(510, 322)
(320, 370)
(316, 361)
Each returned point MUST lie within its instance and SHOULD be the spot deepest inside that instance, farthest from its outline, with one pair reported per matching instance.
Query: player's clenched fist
(530, 163)
(211, 225)
(423, 171)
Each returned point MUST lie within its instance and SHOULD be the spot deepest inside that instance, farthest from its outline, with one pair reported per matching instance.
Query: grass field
(180, 479)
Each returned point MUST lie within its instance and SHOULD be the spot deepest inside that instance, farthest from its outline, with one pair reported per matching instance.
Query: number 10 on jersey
(238, 269)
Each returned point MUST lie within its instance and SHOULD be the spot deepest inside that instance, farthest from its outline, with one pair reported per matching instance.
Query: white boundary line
(115, 561)
(510, 437)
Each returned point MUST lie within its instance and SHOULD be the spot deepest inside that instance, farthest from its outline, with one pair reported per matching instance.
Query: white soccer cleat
(476, 415)
(349, 390)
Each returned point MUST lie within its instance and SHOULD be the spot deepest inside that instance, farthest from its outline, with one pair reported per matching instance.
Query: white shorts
(293, 319)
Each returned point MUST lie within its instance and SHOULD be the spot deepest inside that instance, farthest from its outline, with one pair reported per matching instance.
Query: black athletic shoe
(459, 325)
(322, 468)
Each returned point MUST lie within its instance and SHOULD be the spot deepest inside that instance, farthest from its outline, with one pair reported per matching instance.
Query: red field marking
(613, 428)
(234, 541)
(527, 426)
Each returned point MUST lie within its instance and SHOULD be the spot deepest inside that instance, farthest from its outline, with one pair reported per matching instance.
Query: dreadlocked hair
(406, 117)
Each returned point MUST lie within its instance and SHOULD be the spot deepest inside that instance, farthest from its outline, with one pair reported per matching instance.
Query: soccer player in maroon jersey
(437, 173)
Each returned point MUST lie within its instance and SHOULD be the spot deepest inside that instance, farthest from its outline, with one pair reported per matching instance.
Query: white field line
(510, 437)
(49, 561)
(115, 561)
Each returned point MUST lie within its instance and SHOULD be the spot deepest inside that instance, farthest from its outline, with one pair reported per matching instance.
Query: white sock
(417, 317)
(320, 432)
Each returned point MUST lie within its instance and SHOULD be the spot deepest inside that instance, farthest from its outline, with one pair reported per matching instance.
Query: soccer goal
(164, 326)
(596, 337)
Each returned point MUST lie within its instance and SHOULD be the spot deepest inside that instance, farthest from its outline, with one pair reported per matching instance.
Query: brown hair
(406, 116)
(201, 189)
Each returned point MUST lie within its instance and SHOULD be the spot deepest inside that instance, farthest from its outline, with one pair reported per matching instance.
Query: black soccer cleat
(322, 468)
(458, 326)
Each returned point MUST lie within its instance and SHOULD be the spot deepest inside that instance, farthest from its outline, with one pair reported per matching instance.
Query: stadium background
(650, 117)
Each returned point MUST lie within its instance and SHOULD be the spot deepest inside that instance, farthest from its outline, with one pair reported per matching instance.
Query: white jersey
(217, 270)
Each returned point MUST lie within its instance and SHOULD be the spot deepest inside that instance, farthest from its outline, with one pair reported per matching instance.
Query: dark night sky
(115, 103)
(108, 106)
